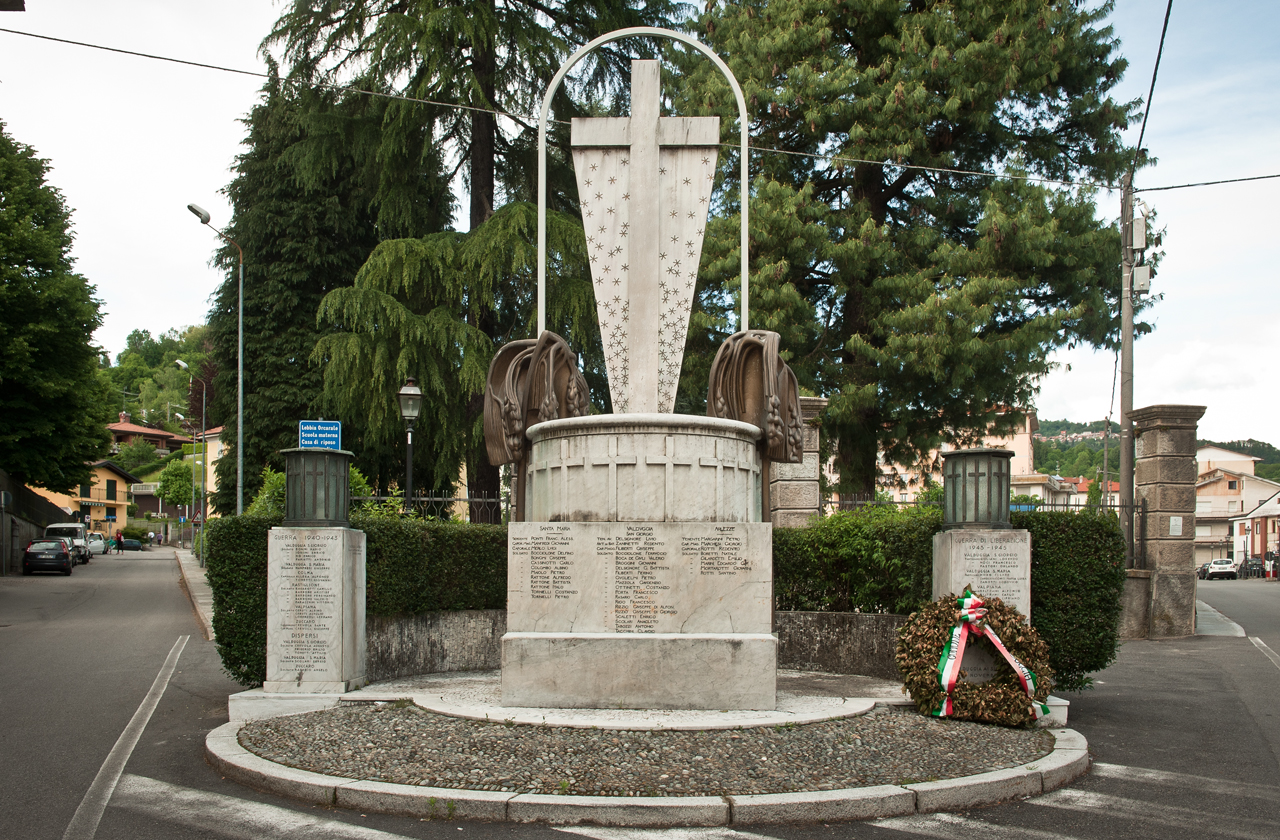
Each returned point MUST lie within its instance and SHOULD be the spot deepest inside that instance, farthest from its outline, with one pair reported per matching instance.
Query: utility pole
(1126, 367)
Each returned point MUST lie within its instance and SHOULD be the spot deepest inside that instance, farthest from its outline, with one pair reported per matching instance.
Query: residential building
(103, 502)
(1257, 534)
(905, 482)
(126, 432)
(1226, 489)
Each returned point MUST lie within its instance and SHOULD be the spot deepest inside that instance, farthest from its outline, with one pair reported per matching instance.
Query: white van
(77, 532)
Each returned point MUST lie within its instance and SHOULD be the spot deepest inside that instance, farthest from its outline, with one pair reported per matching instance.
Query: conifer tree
(917, 271)
(478, 57)
(310, 202)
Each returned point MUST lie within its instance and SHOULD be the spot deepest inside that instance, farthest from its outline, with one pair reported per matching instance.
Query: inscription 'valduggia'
(660, 577)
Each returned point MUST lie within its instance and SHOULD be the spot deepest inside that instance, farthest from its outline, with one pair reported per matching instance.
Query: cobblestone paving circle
(401, 743)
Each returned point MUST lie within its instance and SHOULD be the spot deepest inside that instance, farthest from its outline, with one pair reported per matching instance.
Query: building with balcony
(1226, 490)
(102, 503)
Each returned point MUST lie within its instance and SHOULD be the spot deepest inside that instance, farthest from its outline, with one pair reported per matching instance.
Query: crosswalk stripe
(1204, 784)
(1150, 813)
(951, 826)
(231, 817)
(602, 833)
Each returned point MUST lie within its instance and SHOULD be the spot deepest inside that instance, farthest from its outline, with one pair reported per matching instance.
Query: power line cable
(1209, 183)
(764, 149)
(1155, 70)
(345, 88)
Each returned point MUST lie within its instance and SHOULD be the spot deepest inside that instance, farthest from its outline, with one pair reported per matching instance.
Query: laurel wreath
(1002, 700)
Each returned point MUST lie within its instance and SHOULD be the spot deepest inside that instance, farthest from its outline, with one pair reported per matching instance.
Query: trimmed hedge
(880, 559)
(1077, 579)
(236, 567)
(412, 566)
(877, 559)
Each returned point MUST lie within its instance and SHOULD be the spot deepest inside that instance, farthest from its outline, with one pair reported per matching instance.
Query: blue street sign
(320, 434)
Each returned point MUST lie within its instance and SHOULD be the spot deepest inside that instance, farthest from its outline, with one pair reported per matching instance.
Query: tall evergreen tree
(918, 279)
(310, 202)
(54, 406)
(478, 56)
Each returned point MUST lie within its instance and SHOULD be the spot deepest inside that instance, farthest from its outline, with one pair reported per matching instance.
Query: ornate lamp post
(410, 406)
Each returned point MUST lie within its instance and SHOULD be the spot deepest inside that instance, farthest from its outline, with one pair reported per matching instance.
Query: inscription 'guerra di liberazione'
(639, 578)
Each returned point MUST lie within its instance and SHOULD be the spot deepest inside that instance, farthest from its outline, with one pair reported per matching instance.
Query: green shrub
(1077, 579)
(873, 559)
(136, 532)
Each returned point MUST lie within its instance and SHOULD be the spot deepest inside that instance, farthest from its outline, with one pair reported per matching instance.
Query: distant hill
(1052, 428)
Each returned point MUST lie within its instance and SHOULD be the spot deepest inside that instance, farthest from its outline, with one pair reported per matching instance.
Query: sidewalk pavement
(193, 577)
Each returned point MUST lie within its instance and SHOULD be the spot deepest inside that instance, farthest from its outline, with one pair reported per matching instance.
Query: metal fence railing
(474, 507)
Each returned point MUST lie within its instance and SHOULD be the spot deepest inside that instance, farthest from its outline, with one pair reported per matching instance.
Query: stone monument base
(315, 611)
(640, 670)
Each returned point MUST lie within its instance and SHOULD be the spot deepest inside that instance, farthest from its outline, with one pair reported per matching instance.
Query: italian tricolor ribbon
(973, 619)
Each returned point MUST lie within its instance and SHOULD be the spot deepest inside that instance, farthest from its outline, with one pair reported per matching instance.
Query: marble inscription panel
(995, 563)
(652, 577)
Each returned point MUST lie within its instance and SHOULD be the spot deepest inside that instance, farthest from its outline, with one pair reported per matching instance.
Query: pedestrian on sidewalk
(119, 542)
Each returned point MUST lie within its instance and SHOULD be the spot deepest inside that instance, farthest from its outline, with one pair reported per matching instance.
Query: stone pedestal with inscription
(315, 611)
(994, 563)
(643, 578)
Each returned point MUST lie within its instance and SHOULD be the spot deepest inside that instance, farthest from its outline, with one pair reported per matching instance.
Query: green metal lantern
(317, 488)
(975, 488)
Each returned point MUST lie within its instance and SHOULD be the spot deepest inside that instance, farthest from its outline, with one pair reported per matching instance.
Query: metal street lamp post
(203, 216)
(410, 406)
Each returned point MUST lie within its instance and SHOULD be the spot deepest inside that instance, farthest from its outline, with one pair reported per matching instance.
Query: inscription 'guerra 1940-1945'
(659, 577)
(309, 609)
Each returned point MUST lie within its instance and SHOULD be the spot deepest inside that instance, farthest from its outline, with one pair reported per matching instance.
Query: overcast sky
(133, 141)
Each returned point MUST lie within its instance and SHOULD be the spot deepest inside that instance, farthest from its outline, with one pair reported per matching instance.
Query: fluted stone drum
(642, 468)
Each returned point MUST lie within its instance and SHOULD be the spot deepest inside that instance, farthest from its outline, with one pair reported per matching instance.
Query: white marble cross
(645, 187)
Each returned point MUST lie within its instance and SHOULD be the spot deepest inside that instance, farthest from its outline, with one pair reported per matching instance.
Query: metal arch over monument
(639, 567)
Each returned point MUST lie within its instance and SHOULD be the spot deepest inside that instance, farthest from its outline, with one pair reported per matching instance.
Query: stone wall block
(1134, 615)
(1177, 498)
(807, 469)
(793, 518)
(1159, 527)
(1165, 469)
(1159, 441)
(810, 439)
(1171, 593)
(1171, 555)
(790, 495)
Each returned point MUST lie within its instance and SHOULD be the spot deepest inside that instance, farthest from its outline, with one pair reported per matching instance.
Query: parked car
(1254, 568)
(48, 556)
(1221, 569)
(1203, 571)
(77, 532)
(97, 543)
(132, 545)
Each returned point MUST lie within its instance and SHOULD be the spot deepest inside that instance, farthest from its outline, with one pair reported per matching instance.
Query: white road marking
(1262, 646)
(1150, 814)
(84, 824)
(232, 817)
(602, 833)
(951, 826)
(1204, 784)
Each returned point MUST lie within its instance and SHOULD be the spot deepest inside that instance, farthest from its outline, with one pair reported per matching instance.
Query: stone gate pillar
(1165, 479)
(793, 488)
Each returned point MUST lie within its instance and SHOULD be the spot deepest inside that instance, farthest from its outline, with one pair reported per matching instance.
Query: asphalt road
(1186, 734)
